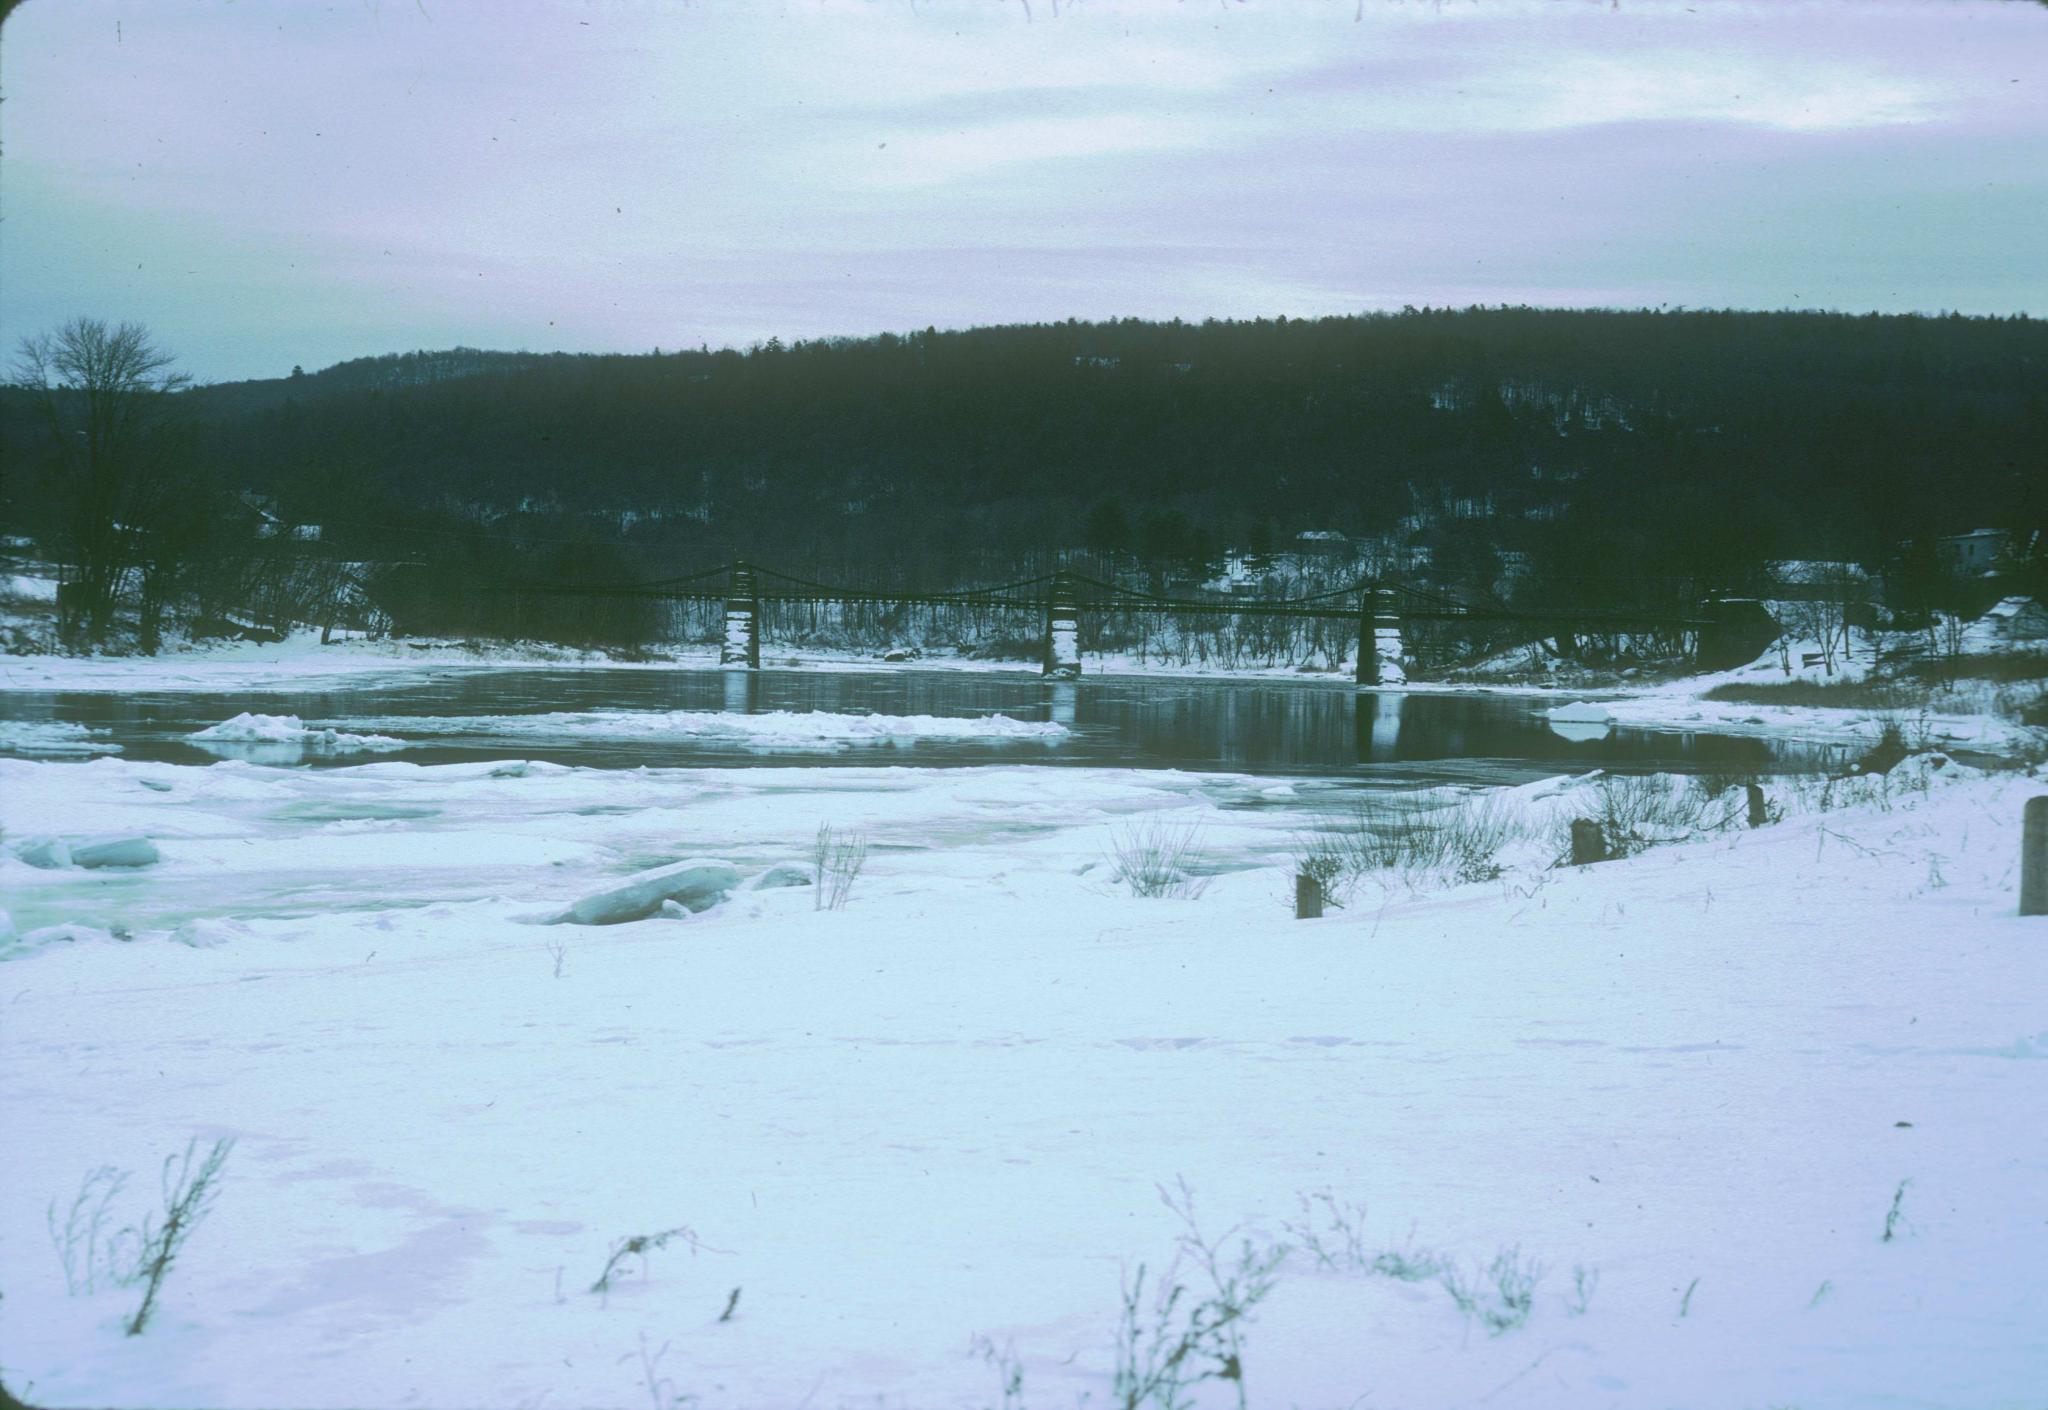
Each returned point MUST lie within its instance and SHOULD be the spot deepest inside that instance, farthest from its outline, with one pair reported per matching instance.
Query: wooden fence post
(1368, 642)
(1588, 844)
(1758, 814)
(1308, 897)
(2034, 857)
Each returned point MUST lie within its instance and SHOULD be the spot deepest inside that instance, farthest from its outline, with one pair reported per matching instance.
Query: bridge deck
(1086, 595)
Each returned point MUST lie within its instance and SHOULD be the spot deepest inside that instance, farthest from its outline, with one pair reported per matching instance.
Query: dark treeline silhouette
(1619, 456)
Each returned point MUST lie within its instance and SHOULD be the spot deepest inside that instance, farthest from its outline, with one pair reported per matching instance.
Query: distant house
(1974, 553)
(1322, 543)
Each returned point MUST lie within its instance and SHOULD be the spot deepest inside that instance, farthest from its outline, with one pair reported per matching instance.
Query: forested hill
(1681, 438)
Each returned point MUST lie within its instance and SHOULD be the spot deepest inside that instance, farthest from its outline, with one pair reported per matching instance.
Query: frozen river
(426, 799)
(613, 719)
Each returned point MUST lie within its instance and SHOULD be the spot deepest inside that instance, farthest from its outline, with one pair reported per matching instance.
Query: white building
(1973, 553)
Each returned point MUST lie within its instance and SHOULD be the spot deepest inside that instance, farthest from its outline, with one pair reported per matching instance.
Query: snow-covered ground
(1684, 711)
(1766, 1107)
(1962, 716)
(26, 588)
(297, 662)
(302, 660)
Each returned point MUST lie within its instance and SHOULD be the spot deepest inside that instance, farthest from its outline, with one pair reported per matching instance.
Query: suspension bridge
(1725, 632)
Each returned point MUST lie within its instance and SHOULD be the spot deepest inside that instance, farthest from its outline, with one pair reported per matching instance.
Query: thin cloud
(269, 183)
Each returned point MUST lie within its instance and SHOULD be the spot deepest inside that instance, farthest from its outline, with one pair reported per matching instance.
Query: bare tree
(1822, 597)
(105, 396)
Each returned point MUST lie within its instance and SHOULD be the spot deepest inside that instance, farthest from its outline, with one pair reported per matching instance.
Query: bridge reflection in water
(1270, 726)
(1287, 727)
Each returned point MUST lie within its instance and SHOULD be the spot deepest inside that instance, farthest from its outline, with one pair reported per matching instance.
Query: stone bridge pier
(741, 649)
(1063, 629)
(1379, 639)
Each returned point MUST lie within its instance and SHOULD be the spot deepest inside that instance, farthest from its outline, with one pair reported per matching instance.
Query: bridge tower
(1063, 627)
(741, 649)
(1379, 638)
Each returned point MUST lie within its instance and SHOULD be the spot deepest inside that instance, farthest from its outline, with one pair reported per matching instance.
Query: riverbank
(1727, 1122)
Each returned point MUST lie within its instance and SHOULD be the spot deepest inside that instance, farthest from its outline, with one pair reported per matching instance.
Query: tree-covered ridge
(1611, 445)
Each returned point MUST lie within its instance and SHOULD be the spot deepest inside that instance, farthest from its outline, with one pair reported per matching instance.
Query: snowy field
(1766, 1112)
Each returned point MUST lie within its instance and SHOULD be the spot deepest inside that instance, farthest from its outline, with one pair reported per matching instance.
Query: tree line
(1616, 458)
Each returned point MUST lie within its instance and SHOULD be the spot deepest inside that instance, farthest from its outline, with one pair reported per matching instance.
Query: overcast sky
(275, 183)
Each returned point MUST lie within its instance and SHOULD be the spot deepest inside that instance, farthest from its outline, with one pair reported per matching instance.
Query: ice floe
(54, 738)
(773, 729)
(262, 737)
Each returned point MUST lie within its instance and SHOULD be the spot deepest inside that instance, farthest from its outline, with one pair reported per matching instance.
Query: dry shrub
(1157, 858)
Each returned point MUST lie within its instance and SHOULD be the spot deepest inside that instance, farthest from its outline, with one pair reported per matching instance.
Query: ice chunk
(58, 738)
(527, 768)
(115, 852)
(247, 728)
(49, 853)
(287, 732)
(694, 885)
(782, 874)
(1581, 721)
